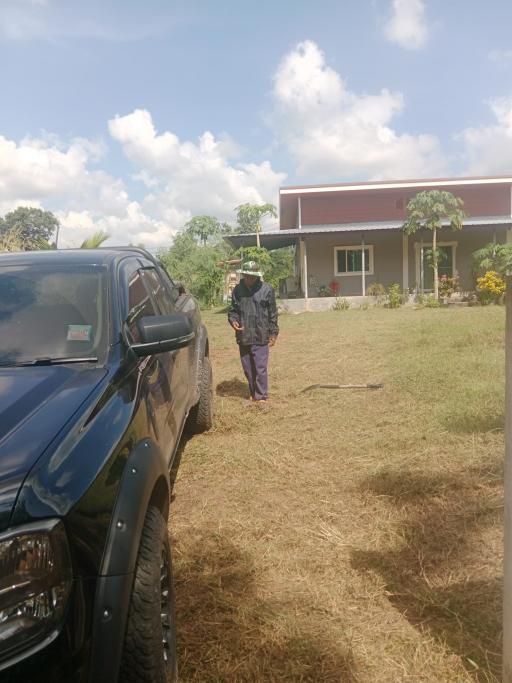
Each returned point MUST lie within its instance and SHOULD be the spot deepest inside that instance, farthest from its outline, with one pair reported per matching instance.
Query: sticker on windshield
(79, 332)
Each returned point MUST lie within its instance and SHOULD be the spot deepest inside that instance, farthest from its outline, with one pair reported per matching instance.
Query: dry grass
(345, 536)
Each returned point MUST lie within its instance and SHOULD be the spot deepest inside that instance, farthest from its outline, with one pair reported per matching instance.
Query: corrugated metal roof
(361, 227)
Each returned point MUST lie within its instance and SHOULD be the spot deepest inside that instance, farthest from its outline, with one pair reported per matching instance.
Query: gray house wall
(388, 256)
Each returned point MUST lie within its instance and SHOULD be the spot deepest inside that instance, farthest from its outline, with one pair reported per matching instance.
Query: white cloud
(332, 132)
(45, 173)
(488, 149)
(407, 26)
(179, 179)
(196, 177)
(501, 57)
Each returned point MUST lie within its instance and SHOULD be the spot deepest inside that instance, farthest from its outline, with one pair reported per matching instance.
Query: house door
(444, 264)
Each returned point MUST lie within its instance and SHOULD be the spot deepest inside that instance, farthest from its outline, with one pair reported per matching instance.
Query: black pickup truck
(104, 361)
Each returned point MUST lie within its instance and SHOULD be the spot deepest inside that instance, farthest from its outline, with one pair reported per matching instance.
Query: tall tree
(34, 227)
(429, 210)
(249, 217)
(203, 228)
(95, 240)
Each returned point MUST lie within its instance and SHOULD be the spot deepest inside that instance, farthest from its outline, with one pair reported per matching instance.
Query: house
(337, 228)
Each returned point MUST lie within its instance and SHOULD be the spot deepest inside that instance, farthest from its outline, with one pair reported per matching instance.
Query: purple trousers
(255, 364)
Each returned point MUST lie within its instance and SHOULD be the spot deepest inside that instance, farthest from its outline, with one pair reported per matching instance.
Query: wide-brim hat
(250, 268)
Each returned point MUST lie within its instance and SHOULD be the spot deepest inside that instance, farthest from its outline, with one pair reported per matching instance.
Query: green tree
(34, 227)
(179, 258)
(10, 240)
(95, 240)
(208, 277)
(428, 210)
(203, 228)
(249, 217)
(197, 266)
(496, 257)
(277, 264)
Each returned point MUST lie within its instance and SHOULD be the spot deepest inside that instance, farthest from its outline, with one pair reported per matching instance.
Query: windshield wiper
(47, 360)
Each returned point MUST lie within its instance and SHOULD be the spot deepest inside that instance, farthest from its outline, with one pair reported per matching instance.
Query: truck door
(176, 363)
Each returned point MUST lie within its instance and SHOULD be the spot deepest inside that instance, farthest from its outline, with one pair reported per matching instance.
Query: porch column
(405, 261)
(299, 213)
(422, 269)
(363, 266)
(305, 269)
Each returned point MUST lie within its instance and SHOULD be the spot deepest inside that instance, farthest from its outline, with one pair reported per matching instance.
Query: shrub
(448, 286)
(394, 296)
(324, 291)
(340, 304)
(490, 288)
(378, 291)
(432, 302)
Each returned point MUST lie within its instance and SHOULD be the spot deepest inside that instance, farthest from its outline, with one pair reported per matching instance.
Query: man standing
(253, 316)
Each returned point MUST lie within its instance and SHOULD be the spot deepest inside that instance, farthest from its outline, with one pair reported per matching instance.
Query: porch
(345, 260)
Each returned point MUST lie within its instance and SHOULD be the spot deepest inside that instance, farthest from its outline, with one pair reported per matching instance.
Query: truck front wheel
(149, 652)
(200, 418)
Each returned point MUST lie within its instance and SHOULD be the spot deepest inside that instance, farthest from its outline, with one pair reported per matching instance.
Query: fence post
(507, 567)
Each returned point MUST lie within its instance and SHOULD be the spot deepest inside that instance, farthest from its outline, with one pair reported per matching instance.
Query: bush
(378, 291)
(432, 302)
(394, 296)
(340, 304)
(490, 288)
(448, 286)
(324, 291)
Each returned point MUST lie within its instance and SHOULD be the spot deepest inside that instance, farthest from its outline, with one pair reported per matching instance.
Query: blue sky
(133, 116)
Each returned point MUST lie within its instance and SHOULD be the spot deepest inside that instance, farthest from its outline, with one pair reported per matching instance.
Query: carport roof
(284, 238)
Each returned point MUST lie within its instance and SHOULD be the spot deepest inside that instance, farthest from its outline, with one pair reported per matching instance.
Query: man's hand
(272, 341)
(236, 326)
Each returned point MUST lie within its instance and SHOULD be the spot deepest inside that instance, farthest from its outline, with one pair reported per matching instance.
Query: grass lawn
(348, 536)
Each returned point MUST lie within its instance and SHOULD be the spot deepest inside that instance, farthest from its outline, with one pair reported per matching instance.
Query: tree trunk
(434, 261)
(257, 237)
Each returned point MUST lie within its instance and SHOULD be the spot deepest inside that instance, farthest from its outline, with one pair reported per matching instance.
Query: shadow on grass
(440, 514)
(469, 422)
(226, 633)
(233, 387)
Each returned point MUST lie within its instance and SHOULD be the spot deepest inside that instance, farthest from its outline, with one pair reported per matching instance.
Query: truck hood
(35, 404)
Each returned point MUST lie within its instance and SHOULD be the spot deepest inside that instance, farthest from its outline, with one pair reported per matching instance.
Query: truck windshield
(53, 313)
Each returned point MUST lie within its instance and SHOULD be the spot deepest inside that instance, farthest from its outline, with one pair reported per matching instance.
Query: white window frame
(354, 247)
(428, 245)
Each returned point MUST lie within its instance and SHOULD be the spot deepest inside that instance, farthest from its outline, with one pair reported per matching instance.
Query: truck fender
(145, 481)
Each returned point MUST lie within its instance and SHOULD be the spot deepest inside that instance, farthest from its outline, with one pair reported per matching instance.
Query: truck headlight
(35, 583)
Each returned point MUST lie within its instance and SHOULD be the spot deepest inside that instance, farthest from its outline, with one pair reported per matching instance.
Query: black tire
(200, 418)
(149, 651)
